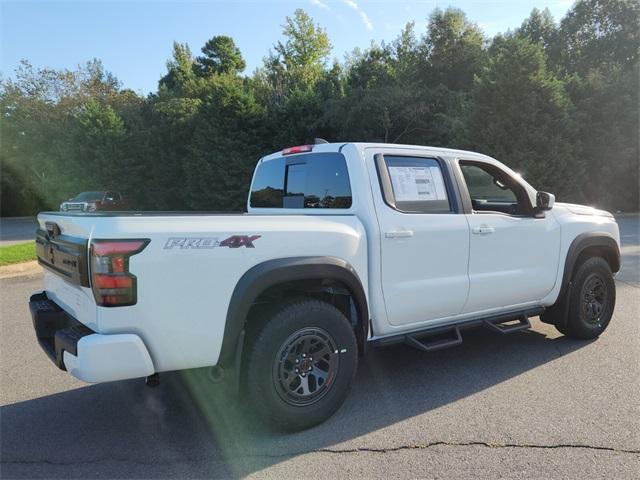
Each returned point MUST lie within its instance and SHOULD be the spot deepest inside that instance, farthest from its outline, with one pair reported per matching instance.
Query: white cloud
(363, 15)
(320, 3)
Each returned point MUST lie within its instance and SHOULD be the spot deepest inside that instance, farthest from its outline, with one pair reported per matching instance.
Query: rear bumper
(85, 354)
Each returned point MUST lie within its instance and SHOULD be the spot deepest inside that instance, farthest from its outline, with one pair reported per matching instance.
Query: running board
(504, 326)
(433, 338)
(430, 342)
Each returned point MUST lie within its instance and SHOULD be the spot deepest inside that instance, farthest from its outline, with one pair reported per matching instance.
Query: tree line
(558, 102)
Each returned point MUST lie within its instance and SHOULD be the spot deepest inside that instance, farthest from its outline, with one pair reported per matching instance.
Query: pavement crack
(475, 444)
(332, 451)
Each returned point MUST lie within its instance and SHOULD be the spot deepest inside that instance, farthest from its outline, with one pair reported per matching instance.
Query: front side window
(492, 190)
(313, 180)
(414, 184)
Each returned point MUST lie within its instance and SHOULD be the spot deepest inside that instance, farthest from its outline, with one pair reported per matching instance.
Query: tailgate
(64, 255)
(62, 249)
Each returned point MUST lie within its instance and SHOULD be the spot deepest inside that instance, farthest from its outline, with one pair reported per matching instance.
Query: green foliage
(607, 118)
(224, 148)
(540, 27)
(454, 48)
(221, 55)
(180, 69)
(558, 102)
(19, 197)
(600, 34)
(307, 45)
(520, 111)
(299, 61)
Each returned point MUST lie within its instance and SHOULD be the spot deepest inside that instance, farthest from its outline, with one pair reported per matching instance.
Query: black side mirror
(544, 201)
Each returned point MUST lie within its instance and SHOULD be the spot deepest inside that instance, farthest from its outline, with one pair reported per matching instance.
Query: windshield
(88, 197)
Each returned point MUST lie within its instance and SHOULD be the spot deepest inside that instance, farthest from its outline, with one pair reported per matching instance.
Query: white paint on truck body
(183, 294)
(416, 269)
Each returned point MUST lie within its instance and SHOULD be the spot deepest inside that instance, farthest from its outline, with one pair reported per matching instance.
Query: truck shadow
(186, 428)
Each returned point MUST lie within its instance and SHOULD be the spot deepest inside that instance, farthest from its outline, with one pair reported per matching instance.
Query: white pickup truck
(344, 245)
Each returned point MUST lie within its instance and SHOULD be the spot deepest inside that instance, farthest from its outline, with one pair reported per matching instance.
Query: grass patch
(22, 252)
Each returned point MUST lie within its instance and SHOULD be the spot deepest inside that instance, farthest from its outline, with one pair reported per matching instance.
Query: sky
(134, 38)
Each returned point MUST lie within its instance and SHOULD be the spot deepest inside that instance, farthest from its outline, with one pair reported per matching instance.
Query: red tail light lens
(112, 283)
(298, 149)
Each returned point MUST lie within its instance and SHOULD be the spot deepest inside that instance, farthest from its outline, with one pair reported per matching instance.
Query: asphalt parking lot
(529, 405)
(17, 230)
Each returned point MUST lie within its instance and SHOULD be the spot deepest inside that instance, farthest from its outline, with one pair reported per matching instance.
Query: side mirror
(544, 201)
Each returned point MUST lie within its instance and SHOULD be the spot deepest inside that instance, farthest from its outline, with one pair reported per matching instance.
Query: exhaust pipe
(152, 380)
(216, 374)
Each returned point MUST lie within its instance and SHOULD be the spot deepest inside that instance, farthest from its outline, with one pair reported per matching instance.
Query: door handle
(483, 230)
(399, 234)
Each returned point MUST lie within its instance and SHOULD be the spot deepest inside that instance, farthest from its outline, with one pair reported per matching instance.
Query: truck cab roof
(338, 146)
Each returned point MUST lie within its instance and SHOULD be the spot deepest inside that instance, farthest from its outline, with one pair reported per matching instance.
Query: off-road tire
(271, 384)
(591, 299)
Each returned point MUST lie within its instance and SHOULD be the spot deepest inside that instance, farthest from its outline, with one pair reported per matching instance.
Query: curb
(20, 269)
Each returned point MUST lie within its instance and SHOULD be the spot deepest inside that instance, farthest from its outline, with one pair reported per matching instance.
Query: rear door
(424, 237)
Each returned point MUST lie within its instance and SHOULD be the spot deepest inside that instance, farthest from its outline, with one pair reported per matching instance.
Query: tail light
(112, 283)
(298, 149)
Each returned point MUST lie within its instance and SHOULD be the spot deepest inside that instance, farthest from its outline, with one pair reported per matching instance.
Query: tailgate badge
(53, 230)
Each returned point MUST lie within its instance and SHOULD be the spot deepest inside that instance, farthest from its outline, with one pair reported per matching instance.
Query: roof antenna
(318, 141)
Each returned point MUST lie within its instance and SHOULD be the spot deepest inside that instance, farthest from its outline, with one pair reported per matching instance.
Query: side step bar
(430, 342)
(435, 338)
(504, 327)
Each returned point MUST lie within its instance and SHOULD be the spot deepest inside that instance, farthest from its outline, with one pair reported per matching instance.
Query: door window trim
(466, 196)
(386, 188)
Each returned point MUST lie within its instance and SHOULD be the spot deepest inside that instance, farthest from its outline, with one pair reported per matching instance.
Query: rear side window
(313, 180)
(413, 184)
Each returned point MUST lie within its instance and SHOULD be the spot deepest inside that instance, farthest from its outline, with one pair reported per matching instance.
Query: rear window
(312, 180)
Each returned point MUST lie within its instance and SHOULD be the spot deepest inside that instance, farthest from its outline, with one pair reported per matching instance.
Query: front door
(514, 254)
(424, 239)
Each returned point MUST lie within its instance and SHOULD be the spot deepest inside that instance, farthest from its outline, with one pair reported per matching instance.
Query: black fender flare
(557, 313)
(581, 243)
(273, 272)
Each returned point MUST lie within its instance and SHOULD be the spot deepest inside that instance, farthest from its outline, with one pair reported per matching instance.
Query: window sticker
(414, 184)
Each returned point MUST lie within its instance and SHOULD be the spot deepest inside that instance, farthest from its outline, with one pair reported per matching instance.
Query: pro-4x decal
(237, 241)
(234, 241)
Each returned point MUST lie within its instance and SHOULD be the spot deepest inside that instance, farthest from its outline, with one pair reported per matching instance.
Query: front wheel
(591, 300)
(301, 364)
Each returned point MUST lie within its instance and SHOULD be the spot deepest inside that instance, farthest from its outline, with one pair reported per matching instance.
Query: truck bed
(186, 275)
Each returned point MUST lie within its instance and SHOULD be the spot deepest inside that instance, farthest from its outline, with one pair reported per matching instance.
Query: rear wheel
(300, 365)
(591, 300)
